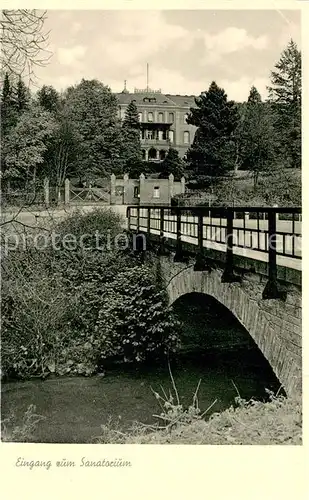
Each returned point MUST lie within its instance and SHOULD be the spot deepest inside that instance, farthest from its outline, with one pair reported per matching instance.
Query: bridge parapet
(272, 238)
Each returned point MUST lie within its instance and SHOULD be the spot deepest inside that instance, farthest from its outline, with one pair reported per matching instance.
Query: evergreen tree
(131, 119)
(285, 96)
(8, 113)
(257, 138)
(172, 164)
(131, 144)
(22, 96)
(213, 150)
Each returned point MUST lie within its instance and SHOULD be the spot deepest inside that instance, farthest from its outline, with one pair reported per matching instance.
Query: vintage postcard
(152, 249)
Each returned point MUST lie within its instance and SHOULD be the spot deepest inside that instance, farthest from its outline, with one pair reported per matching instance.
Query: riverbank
(278, 422)
(74, 409)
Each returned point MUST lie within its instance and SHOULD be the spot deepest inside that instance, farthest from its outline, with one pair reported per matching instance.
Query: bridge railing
(274, 233)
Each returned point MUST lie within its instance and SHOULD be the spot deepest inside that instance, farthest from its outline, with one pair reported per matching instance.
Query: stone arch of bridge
(248, 311)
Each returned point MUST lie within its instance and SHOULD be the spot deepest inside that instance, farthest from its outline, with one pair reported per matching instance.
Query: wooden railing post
(161, 248)
(179, 256)
(228, 275)
(201, 261)
(271, 290)
(129, 217)
(148, 222)
(137, 220)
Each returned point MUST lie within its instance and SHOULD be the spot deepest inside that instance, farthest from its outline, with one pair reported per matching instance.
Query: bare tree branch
(23, 42)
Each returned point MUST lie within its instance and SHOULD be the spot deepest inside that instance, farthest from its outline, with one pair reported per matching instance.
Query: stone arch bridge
(275, 326)
(260, 285)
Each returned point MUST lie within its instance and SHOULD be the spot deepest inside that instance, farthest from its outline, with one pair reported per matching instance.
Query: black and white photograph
(151, 228)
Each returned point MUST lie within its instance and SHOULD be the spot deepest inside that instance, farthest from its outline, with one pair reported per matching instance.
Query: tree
(92, 108)
(285, 96)
(213, 150)
(14, 101)
(131, 118)
(24, 147)
(64, 145)
(8, 111)
(23, 41)
(131, 144)
(49, 98)
(22, 96)
(172, 164)
(257, 136)
(61, 156)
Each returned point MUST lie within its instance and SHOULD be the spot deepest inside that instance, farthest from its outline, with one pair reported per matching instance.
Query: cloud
(140, 35)
(231, 40)
(71, 56)
(238, 90)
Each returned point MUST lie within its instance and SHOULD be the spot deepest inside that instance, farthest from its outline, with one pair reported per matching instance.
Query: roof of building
(155, 97)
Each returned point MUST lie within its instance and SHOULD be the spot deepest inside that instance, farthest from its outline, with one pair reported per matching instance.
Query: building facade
(142, 191)
(163, 121)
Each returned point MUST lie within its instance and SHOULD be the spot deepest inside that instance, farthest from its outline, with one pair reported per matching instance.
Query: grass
(20, 433)
(278, 421)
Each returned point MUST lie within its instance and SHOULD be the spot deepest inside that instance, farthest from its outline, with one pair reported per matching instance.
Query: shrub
(134, 322)
(55, 305)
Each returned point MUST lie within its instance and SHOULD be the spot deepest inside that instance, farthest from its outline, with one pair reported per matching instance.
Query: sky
(185, 49)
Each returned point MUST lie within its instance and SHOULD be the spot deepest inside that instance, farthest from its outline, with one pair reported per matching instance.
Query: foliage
(54, 302)
(285, 97)
(8, 110)
(278, 421)
(213, 149)
(172, 164)
(257, 136)
(10, 432)
(134, 322)
(25, 145)
(22, 98)
(49, 98)
(91, 108)
(35, 309)
(131, 145)
(131, 119)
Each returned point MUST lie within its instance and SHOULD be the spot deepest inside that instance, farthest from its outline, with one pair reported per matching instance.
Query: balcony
(155, 125)
(156, 142)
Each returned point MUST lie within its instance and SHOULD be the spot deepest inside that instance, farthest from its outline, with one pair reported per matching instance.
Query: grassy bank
(253, 423)
(278, 422)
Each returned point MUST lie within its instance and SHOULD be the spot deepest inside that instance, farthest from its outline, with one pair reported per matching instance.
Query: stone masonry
(274, 325)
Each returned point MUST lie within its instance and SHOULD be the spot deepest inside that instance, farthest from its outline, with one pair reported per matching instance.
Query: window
(171, 135)
(156, 192)
(136, 192)
(186, 138)
(152, 154)
(150, 117)
(160, 117)
(171, 117)
(160, 135)
(140, 116)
